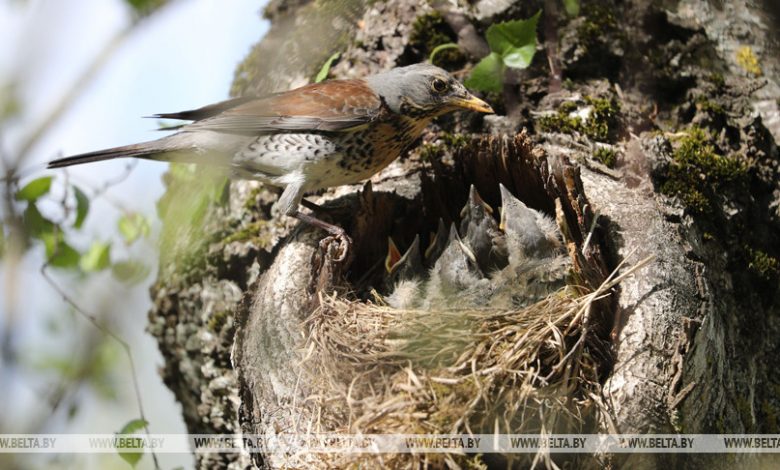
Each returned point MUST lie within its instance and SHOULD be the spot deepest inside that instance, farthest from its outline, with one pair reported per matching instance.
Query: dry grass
(373, 369)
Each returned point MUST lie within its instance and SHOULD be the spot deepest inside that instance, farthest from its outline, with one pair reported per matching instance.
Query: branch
(105, 330)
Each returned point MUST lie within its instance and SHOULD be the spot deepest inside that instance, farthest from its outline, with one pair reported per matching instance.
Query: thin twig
(551, 44)
(105, 330)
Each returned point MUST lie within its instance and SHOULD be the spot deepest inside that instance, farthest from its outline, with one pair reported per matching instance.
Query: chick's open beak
(473, 103)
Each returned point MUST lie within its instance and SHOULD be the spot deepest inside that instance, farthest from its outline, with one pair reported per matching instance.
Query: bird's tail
(142, 150)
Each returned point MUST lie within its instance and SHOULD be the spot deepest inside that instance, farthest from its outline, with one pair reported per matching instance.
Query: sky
(182, 58)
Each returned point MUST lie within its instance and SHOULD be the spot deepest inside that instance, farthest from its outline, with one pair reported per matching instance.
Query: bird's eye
(439, 85)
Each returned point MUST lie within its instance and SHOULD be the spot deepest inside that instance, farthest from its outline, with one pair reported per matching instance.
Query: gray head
(529, 233)
(424, 89)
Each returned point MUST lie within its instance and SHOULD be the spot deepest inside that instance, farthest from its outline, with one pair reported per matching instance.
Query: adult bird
(320, 135)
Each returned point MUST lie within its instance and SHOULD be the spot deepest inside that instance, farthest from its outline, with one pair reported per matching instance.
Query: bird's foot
(338, 245)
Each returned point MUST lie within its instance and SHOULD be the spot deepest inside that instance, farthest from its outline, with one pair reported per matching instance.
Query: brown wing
(206, 111)
(330, 106)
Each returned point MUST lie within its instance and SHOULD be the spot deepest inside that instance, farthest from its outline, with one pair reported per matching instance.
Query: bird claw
(338, 246)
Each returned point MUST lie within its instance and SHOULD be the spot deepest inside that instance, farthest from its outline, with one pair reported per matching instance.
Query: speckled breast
(368, 151)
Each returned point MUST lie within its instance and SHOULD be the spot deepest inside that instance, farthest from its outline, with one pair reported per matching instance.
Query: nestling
(513, 264)
(320, 135)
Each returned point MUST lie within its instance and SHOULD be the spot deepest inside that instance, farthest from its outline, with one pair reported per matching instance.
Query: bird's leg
(288, 203)
(314, 207)
(337, 233)
(319, 209)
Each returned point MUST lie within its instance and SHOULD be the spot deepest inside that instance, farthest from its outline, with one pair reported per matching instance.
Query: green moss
(588, 32)
(251, 201)
(559, 123)
(596, 25)
(697, 172)
(428, 32)
(430, 152)
(605, 155)
(709, 106)
(717, 80)
(218, 320)
(256, 231)
(763, 265)
(454, 141)
(603, 120)
(601, 125)
(567, 107)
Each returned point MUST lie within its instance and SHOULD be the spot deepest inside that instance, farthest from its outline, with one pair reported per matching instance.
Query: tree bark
(691, 337)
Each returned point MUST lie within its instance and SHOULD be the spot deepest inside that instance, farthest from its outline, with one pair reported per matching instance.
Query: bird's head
(424, 90)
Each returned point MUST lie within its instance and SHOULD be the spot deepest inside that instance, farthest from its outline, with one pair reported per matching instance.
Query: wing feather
(335, 105)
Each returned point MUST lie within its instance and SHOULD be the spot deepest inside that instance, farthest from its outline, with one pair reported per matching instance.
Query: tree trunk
(661, 142)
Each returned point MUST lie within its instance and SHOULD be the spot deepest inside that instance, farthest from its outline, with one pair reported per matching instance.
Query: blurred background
(78, 246)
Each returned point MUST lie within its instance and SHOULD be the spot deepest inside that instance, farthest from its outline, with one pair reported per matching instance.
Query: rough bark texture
(696, 333)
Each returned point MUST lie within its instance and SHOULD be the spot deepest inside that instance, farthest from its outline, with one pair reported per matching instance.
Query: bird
(510, 264)
(481, 233)
(438, 241)
(404, 275)
(407, 266)
(326, 134)
(455, 273)
(530, 233)
(538, 262)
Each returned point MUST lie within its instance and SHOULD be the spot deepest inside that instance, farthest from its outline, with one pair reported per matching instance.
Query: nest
(370, 368)
(526, 368)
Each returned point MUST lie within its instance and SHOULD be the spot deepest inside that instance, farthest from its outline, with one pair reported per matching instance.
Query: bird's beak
(473, 103)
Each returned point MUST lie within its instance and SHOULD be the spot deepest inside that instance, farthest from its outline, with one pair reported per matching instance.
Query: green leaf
(145, 7)
(572, 7)
(66, 367)
(130, 271)
(35, 224)
(439, 48)
(133, 226)
(323, 73)
(97, 258)
(82, 206)
(34, 189)
(487, 75)
(133, 426)
(130, 456)
(514, 41)
(58, 253)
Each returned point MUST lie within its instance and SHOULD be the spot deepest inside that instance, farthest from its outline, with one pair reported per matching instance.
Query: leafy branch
(28, 219)
(52, 233)
(125, 347)
(512, 45)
